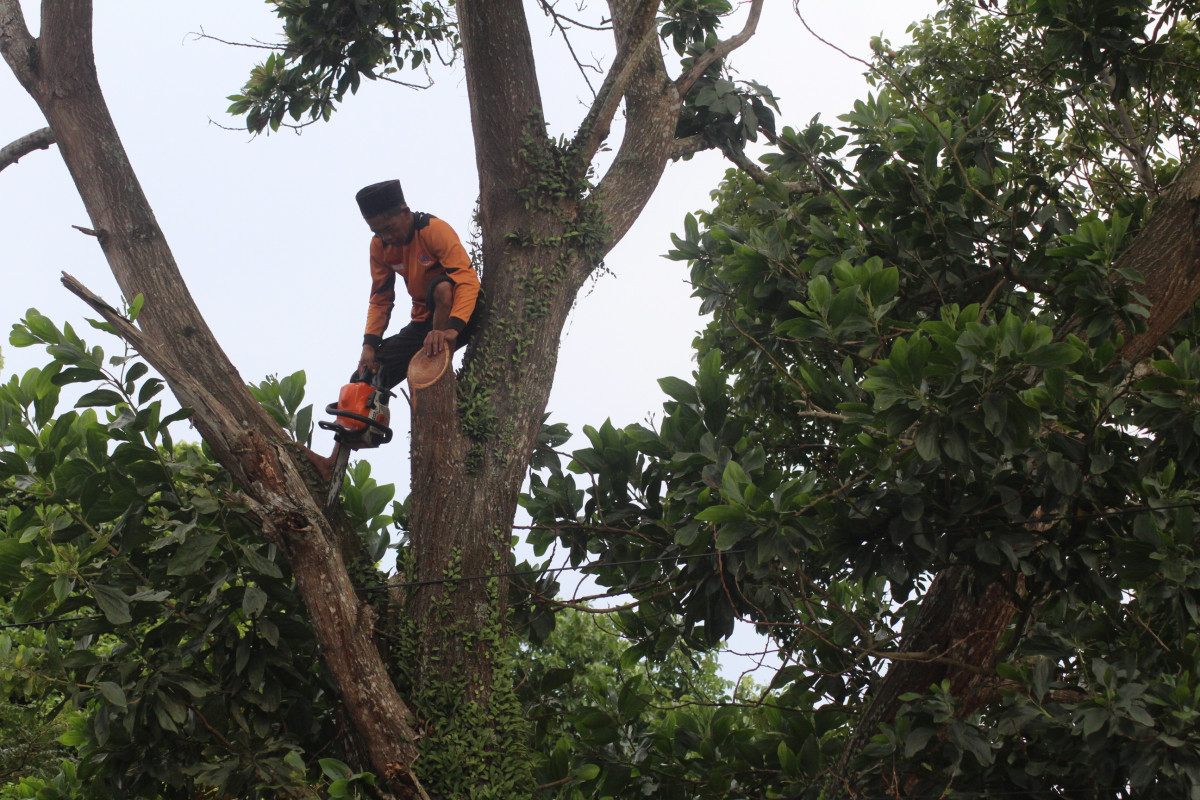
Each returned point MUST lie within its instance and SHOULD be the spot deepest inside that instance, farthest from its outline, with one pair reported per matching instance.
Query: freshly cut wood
(424, 370)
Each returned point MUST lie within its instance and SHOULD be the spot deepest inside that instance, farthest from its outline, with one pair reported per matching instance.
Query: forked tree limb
(720, 50)
(652, 106)
(38, 140)
(59, 73)
(639, 34)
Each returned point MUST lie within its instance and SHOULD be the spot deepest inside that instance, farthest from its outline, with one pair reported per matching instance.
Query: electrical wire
(521, 573)
(382, 587)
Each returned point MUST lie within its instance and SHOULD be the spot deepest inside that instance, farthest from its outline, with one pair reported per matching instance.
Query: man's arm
(454, 301)
(443, 334)
(446, 247)
(379, 307)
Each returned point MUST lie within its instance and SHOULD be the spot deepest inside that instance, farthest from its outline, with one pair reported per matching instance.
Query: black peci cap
(380, 198)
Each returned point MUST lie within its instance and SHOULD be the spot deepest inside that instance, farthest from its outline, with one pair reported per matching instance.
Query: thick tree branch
(720, 50)
(1167, 254)
(506, 101)
(690, 145)
(1135, 149)
(38, 140)
(174, 337)
(17, 45)
(66, 39)
(638, 34)
(652, 106)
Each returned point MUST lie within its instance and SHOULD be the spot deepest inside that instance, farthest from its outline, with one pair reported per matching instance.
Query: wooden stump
(424, 371)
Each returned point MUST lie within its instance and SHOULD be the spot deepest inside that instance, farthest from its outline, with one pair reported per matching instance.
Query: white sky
(267, 233)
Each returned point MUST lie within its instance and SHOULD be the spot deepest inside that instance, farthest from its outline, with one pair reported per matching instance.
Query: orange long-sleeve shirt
(434, 250)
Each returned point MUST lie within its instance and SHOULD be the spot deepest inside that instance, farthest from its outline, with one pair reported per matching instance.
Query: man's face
(394, 228)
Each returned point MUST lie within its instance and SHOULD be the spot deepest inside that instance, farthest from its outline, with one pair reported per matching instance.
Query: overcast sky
(269, 239)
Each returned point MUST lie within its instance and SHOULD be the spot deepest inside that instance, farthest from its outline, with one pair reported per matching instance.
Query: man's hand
(437, 341)
(367, 362)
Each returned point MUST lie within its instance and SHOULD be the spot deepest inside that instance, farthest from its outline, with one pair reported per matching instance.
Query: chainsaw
(362, 417)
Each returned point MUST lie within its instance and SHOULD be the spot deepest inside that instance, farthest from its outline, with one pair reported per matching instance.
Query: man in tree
(427, 253)
(437, 271)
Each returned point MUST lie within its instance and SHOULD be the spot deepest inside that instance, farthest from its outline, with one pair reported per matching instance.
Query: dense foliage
(913, 369)
(328, 49)
(155, 646)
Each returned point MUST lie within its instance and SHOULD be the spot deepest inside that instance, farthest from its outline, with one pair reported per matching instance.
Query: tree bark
(14, 152)
(957, 621)
(1167, 254)
(59, 73)
(543, 233)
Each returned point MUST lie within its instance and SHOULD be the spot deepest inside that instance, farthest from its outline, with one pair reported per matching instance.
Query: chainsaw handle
(373, 379)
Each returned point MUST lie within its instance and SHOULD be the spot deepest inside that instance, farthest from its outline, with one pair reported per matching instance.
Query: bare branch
(549, 9)
(720, 50)
(38, 140)
(762, 177)
(690, 145)
(256, 45)
(639, 35)
(428, 81)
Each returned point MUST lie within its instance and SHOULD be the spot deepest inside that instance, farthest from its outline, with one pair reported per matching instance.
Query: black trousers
(397, 350)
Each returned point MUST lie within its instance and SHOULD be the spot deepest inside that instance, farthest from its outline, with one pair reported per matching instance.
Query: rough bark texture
(57, 70)
(1167, 254)
(38, 140)
(955, 635)
(543, 232)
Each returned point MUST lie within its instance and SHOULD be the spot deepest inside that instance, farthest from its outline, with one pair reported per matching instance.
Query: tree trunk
(954, 636)
(58, 71)
(543, 232)
(1167, 254)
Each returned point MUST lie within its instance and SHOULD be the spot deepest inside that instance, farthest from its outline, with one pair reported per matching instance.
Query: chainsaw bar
(339, 473)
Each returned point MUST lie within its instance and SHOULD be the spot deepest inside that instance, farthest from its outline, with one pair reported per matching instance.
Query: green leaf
(731, 535)
(1059, 354)
(78, 375)
(254, 601)
(721, 514)
(260, 563)
(135, 307)
(112, 693)
(21, 337)
(335, 770)
(732, 480)
(192, 554)
(928, 441)
(12, 554)
(12, 464)
(680, 390)
(114, 604)
(99, 397)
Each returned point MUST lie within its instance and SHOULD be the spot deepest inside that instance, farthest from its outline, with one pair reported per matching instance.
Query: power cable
(682, 557)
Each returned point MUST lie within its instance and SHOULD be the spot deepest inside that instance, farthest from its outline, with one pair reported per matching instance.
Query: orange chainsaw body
(362, 416)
